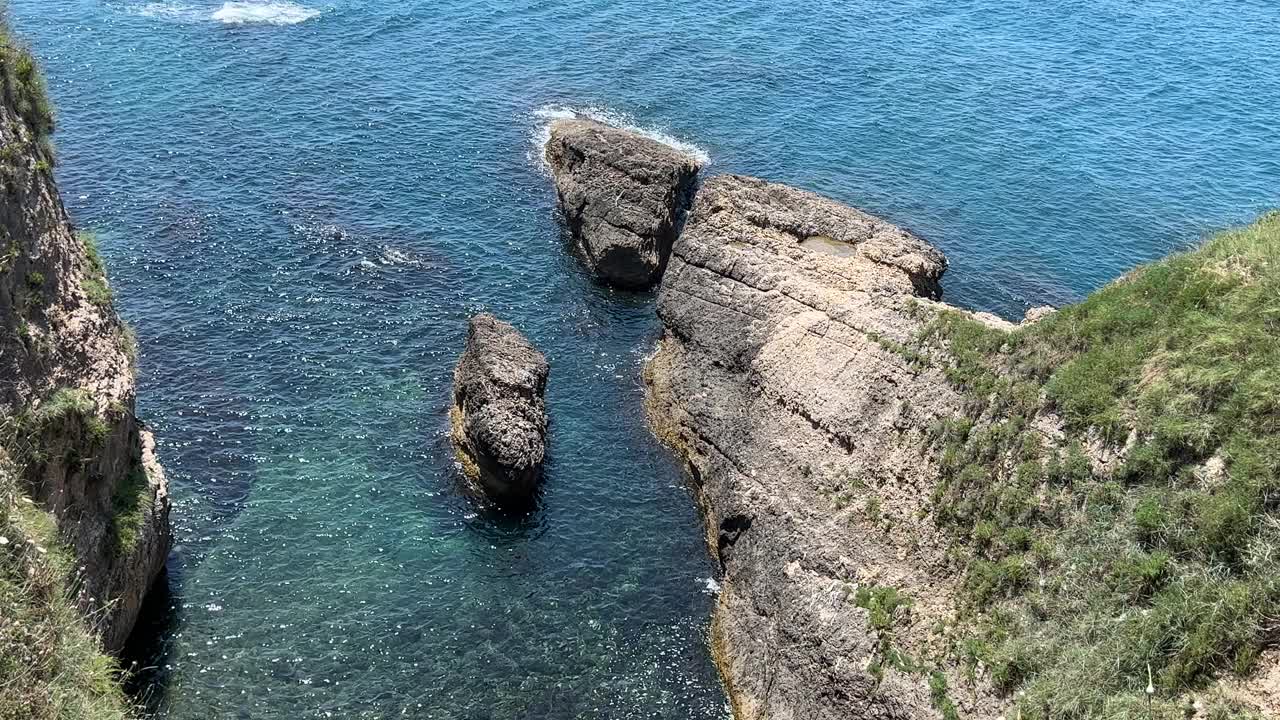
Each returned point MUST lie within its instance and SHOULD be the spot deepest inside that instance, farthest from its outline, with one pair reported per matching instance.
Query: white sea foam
(543, 117)
(169, 11)
(235, 12)
(263, 13)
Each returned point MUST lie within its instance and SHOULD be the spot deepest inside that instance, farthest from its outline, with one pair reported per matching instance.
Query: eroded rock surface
(623, 196)
(62, 345)
(783, 379)
(499, 416)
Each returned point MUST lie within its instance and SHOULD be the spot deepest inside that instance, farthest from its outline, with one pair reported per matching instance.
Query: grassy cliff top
(1114, 489)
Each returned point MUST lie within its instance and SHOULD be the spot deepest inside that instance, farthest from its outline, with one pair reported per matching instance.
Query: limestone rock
(1038, 313)
(623, 196)
(499, 416)
(59, 338)
(782, 378)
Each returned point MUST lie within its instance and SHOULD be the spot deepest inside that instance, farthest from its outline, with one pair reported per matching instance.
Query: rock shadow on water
(147, 656)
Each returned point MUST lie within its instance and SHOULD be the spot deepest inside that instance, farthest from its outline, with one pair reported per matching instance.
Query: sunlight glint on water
(301, 202)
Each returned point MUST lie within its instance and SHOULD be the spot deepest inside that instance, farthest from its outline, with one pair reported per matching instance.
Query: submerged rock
(499, 417)
(623, 196)
(784, 380)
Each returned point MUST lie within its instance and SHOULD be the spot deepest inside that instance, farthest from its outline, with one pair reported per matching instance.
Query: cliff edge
(83, 499)
(925, 512)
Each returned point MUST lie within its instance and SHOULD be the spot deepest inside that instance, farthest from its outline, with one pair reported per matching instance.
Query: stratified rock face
(499, 417)
(623, 195)
(94, 466)
(783, 380)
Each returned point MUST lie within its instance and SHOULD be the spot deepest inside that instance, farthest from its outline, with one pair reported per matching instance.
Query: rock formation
(781, 380)
(623, 196)
(499, 417)
(67, 395)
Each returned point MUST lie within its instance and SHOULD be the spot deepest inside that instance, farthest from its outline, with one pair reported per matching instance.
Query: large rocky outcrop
(782, 379)
(499, 417)
(623, 196)
(67, 382)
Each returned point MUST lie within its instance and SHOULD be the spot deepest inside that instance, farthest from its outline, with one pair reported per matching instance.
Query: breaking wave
(546, 115)
(233, 12)
(268, 13)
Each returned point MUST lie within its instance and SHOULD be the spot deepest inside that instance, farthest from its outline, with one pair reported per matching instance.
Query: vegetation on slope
(24, 90)
(51, 664)
(1119, 569)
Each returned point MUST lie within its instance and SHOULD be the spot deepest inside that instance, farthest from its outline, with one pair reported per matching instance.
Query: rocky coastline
(855, 444)
(83, 498)
(904, 498)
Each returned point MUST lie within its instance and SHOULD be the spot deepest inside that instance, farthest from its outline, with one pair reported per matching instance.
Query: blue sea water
(301, 202)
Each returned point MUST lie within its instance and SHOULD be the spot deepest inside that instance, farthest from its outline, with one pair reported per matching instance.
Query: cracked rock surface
(780, 379)
(623, 196)
(499, 416)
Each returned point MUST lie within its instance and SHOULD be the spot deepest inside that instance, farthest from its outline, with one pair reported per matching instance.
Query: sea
(300, 203)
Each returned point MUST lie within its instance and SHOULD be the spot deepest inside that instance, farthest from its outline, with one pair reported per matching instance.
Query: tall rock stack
(499, 416)
(623, 195)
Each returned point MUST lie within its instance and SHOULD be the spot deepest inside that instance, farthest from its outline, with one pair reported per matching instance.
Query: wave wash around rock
(623, 195)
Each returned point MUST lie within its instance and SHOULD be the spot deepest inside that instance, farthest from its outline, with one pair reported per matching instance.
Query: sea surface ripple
(301, 201)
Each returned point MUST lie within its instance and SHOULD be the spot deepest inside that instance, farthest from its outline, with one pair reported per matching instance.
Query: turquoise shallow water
(300, 203)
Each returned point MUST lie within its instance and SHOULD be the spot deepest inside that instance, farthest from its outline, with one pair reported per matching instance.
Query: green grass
(51, 665)
(70, 405)
(1078, 578)
(89, 240)
(129, 504)
(94, 283)
(97, 290)
(24, 88)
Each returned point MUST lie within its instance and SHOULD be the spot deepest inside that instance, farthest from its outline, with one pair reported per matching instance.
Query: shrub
(129, 505)
(97, 291)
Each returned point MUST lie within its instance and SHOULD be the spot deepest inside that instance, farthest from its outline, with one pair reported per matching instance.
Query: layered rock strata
(782, 380)
(623, 196)
(499, 416)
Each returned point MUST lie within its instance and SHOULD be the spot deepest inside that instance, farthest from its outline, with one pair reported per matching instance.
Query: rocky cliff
(776, 380)
(924, 512)
(72, 443)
